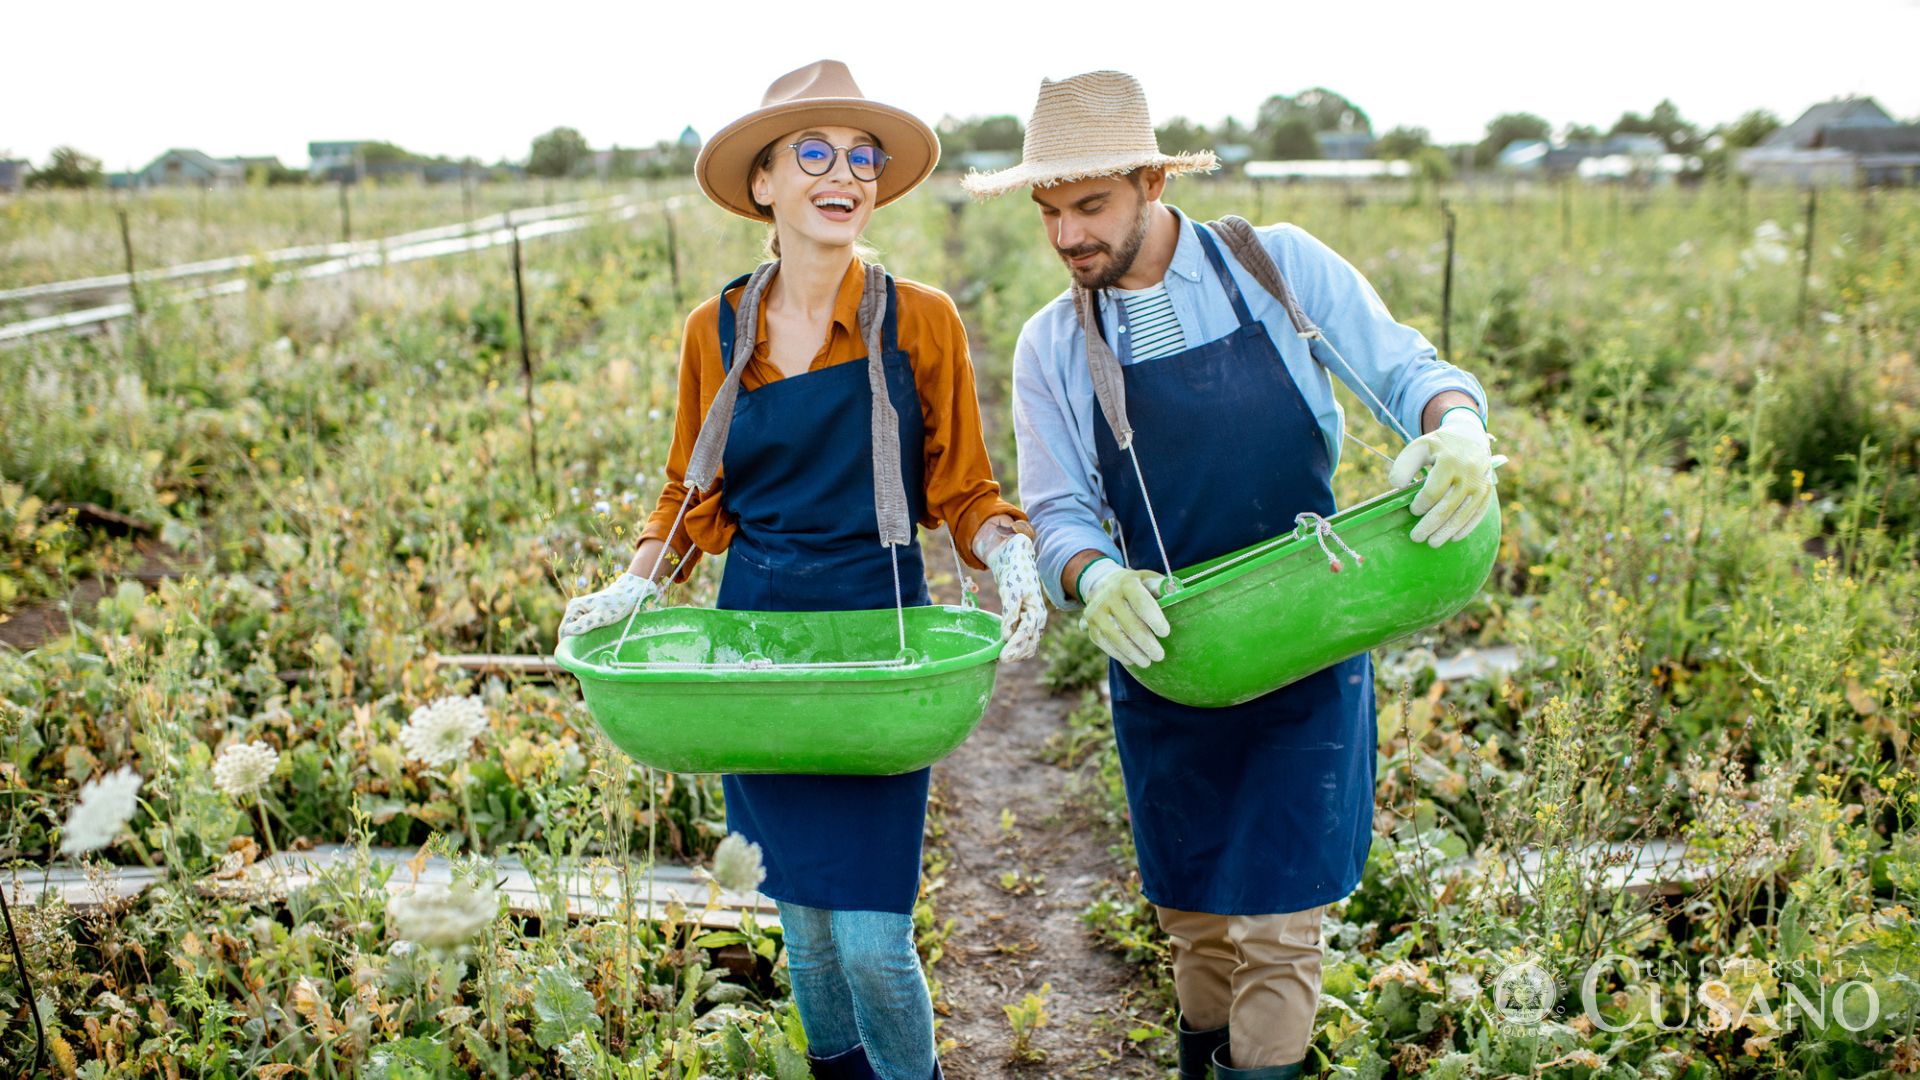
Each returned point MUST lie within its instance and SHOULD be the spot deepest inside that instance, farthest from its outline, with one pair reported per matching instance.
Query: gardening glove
(1459, 486)
(1023, 608)
(611, 604)
(1122, 616)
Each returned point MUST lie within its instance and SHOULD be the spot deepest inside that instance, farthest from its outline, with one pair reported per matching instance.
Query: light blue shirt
(1054, 406)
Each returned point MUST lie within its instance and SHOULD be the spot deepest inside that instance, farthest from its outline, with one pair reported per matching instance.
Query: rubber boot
(1223, 1071)
(1196, 1049)
(846, 1065)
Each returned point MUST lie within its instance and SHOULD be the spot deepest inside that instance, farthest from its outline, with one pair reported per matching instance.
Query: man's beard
(1120, 262)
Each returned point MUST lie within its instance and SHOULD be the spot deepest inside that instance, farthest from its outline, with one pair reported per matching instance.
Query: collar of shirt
(1189, 264)
(845, 324)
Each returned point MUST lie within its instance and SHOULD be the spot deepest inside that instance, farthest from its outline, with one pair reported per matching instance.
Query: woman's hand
(1016, 571)
(611, 604)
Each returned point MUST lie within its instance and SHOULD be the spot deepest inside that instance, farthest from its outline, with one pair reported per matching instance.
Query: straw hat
(821, 94)
(1086, 126)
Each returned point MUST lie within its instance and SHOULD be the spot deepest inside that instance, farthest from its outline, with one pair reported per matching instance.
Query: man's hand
(1459, 487)
(1023, 608)
(1122, 615)
(611, 604)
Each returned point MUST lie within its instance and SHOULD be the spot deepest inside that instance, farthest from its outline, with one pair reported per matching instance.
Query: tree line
(1289, 128)
(1285, 127)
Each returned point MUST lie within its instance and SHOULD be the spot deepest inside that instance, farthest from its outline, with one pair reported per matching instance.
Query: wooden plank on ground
(500, 663)
(1658, 865)
(589, 891)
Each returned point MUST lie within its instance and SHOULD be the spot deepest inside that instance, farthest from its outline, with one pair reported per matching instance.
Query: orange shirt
(960, 491)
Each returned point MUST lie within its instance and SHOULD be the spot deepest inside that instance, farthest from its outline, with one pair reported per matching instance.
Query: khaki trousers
(1260, 974)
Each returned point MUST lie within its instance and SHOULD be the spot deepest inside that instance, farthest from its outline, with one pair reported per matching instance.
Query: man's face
(1097, 226)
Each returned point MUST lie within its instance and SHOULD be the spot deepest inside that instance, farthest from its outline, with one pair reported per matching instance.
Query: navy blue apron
(1260, 808)
(798, 479)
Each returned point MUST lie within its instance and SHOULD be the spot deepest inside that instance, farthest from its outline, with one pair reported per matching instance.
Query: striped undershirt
(1151, 324)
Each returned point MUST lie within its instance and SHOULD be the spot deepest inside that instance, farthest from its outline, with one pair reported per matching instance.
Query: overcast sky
(124, 81)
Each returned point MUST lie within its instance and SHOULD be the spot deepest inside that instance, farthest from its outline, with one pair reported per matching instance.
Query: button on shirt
(1054, 406)
(1152, 329)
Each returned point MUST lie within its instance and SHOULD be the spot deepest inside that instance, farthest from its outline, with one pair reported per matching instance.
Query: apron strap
(726, 322)
(1109, 389)
(1220, 271)
(1246, 247)
(889, 490)
(1252, 255)
(704, 463)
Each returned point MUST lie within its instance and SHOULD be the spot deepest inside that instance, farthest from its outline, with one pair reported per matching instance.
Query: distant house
(13, 174)
(1838, 143)
(1233, 153)
(1524, 155)
(264, 166)
(987, 160)
(191, 168)
(1344, 145)
(335, 160)
(448, 172)
(1616, 157)
(1846, 113)
(689, 139)
(1885, 156)
(1321, 169)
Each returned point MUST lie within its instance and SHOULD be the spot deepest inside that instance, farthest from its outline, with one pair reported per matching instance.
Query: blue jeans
(857, 980)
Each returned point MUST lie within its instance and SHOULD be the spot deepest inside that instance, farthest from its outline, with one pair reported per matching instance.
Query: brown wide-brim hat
(821, 94)
(1083, 127)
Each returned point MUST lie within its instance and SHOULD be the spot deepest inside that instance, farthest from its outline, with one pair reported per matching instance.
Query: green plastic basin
(743, 717)
(1253, 621)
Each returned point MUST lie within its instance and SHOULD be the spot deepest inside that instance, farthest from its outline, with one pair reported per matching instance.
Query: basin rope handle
(1322, 530)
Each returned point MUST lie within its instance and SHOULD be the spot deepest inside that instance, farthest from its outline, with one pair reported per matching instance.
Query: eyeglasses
(816, 156)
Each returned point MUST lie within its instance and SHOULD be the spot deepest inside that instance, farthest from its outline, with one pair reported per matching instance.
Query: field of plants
(1677, 837)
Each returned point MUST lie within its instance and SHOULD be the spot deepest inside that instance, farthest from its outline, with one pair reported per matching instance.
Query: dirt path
(34, 625)
(1009, 942)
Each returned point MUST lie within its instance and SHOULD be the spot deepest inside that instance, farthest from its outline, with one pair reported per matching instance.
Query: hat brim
(988, 185)
(726, 162)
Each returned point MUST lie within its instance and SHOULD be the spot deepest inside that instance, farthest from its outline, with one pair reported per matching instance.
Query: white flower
(736, 864)
(576, 1055)
(244, 768)
(442, 918)
(440, 733)
(105, 807)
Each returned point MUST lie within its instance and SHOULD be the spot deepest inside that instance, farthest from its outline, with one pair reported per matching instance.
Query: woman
(797, 513)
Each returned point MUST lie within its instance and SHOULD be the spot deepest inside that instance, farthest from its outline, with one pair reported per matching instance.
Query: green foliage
(67, 168)
(1024, 1018)
(1751, 129)
(959, 136)
(563, 1006)
(560, 152)
(1665, 121)
(1402, 143)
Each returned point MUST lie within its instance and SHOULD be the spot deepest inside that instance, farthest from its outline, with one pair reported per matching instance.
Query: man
(1223, 425)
